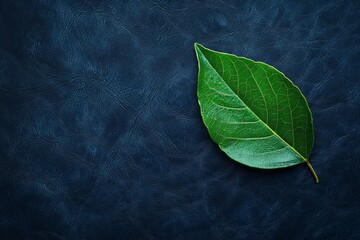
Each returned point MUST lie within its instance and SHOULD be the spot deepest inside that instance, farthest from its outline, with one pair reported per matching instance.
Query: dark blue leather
(101, 135)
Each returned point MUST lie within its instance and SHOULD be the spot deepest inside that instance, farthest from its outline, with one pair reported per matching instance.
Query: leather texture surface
(101, 135)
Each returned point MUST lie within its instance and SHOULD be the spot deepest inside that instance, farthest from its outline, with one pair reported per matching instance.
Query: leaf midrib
(291, 147)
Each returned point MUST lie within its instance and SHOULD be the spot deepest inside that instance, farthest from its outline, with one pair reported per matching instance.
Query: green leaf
(255, 114)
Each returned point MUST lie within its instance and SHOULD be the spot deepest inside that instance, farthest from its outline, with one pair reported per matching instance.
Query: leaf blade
(220, 89)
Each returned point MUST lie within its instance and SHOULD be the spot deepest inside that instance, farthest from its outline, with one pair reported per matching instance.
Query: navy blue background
(101, 135)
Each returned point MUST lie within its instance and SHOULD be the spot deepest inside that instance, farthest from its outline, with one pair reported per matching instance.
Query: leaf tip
(196, 46)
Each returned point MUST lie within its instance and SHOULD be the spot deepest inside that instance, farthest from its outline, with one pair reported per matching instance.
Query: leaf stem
(312, 171)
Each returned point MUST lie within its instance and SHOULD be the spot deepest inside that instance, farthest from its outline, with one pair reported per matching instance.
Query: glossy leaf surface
(255, 114)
